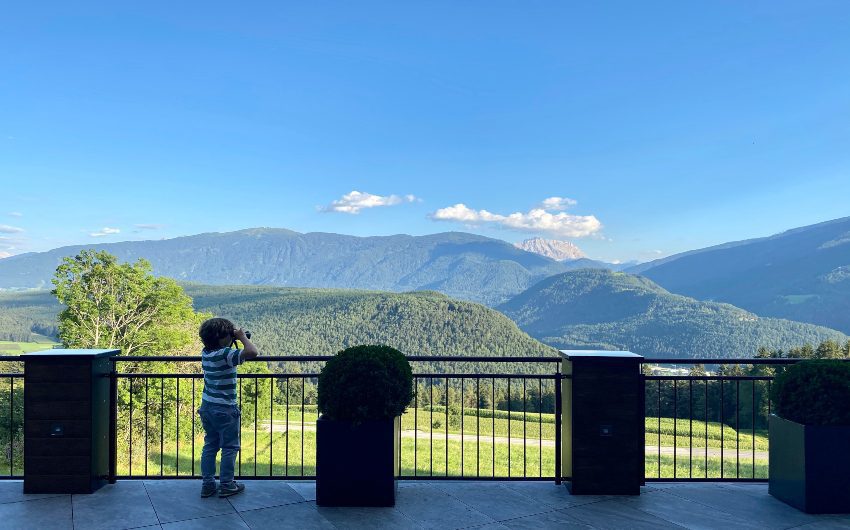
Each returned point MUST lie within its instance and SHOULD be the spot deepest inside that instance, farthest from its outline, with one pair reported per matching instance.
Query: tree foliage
(121, 305)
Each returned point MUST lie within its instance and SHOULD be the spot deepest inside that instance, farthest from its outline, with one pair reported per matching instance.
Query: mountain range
(802, 274)
(462, 265)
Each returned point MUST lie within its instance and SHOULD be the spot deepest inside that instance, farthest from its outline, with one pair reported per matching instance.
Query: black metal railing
(11, 418)
(462, 424)
(482, 418)
(709, 426)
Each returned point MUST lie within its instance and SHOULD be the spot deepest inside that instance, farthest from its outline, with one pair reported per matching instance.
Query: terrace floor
(176, 504)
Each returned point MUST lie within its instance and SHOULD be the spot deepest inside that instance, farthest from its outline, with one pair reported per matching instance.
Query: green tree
(121, 305)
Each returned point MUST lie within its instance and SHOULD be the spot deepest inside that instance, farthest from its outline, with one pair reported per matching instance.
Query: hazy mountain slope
(597, 308)
(462, 265)
(288, 321)
(802, 274)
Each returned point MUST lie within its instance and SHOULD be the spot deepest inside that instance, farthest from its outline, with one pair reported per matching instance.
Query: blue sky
(661, 126)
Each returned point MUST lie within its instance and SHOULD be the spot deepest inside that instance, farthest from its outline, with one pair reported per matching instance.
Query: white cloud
(15, 214)
(4, 254)
(355, 201)
(557, 204)
(105, 231)
(6, 229)
(546, 218)
(149, 226)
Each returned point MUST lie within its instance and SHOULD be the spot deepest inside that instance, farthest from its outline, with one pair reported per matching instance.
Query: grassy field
(17, 348)
(279, 453)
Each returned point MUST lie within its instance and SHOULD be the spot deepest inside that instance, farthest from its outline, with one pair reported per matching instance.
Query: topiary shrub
(364, 383)
(814, 393)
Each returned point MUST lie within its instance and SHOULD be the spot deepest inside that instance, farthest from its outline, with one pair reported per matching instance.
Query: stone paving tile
(832, 523)
(264, 494)
(366, 518)
(494, 500)
(616, 514)
(40, 514)
(432, 507)
(552, 494)
(114, 506)
(553, 519)
(216, 522)
(686, 513)
(13, 491)
(305, 488)
(747, 503)
(301, 515)
(179, 500)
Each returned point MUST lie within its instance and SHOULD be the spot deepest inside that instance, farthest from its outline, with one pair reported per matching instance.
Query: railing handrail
(760, 360)
(306, 358)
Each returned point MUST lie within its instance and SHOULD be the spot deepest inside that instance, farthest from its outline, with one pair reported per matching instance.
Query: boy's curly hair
(213, 329)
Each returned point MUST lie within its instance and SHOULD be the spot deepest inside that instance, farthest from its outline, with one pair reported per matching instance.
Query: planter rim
(775, 415)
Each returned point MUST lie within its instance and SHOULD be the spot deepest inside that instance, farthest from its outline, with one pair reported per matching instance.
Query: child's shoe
(208, 490)
(226, 490)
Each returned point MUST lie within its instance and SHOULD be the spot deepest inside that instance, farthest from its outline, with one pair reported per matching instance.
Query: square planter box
(357, 466)
(810, 466)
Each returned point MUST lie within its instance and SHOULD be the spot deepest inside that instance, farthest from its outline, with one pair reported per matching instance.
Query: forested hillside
(289, 321)
(611, 310)
(461, 265)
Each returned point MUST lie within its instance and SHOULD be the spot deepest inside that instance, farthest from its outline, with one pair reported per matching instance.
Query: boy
(220, 416)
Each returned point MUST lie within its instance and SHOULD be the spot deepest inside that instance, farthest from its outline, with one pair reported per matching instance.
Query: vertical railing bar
(256, 413)
(722, 427)
(177, 451)
(559, 410)
(523, 427)
(753, 415)
(737, 428)
(705, 428)
(493, 434)
(303, 381)
(510, 444)
(691, 428)
(240, 426)
(675, 426)
(272, 384)
(415, 427)
(431, 427)
(11, 426)
(147, 406)
(540, 427)
(462, 432)
(447, 426)
(161, 423)
(194, 413)
(659, 427)
(130, 384)
(286, 444)
(478, 428)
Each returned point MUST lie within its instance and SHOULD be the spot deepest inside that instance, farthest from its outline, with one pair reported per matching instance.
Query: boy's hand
(240, 334)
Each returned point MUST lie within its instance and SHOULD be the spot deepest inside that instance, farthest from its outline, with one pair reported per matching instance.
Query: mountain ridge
(594, 308)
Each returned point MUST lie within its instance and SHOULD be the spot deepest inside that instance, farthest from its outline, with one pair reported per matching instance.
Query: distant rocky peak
(552, 248)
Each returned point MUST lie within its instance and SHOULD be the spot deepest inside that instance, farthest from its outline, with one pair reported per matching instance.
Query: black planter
(810, 466)
(356, 466)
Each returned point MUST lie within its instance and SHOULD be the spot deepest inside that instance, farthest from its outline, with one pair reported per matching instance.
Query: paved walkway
(176, 504)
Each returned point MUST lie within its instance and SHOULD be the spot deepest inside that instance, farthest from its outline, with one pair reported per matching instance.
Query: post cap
(71, 353)
(572, 355)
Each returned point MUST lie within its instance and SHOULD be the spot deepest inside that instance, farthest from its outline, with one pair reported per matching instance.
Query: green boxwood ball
(365, 383)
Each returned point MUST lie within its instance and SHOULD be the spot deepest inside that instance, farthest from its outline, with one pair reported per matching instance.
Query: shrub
(364, 383)
(814, 393)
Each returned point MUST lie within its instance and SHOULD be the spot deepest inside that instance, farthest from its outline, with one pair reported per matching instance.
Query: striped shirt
(220, 375)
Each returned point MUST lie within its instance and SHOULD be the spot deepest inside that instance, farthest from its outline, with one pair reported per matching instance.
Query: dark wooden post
(603, 422)
(67, 420)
